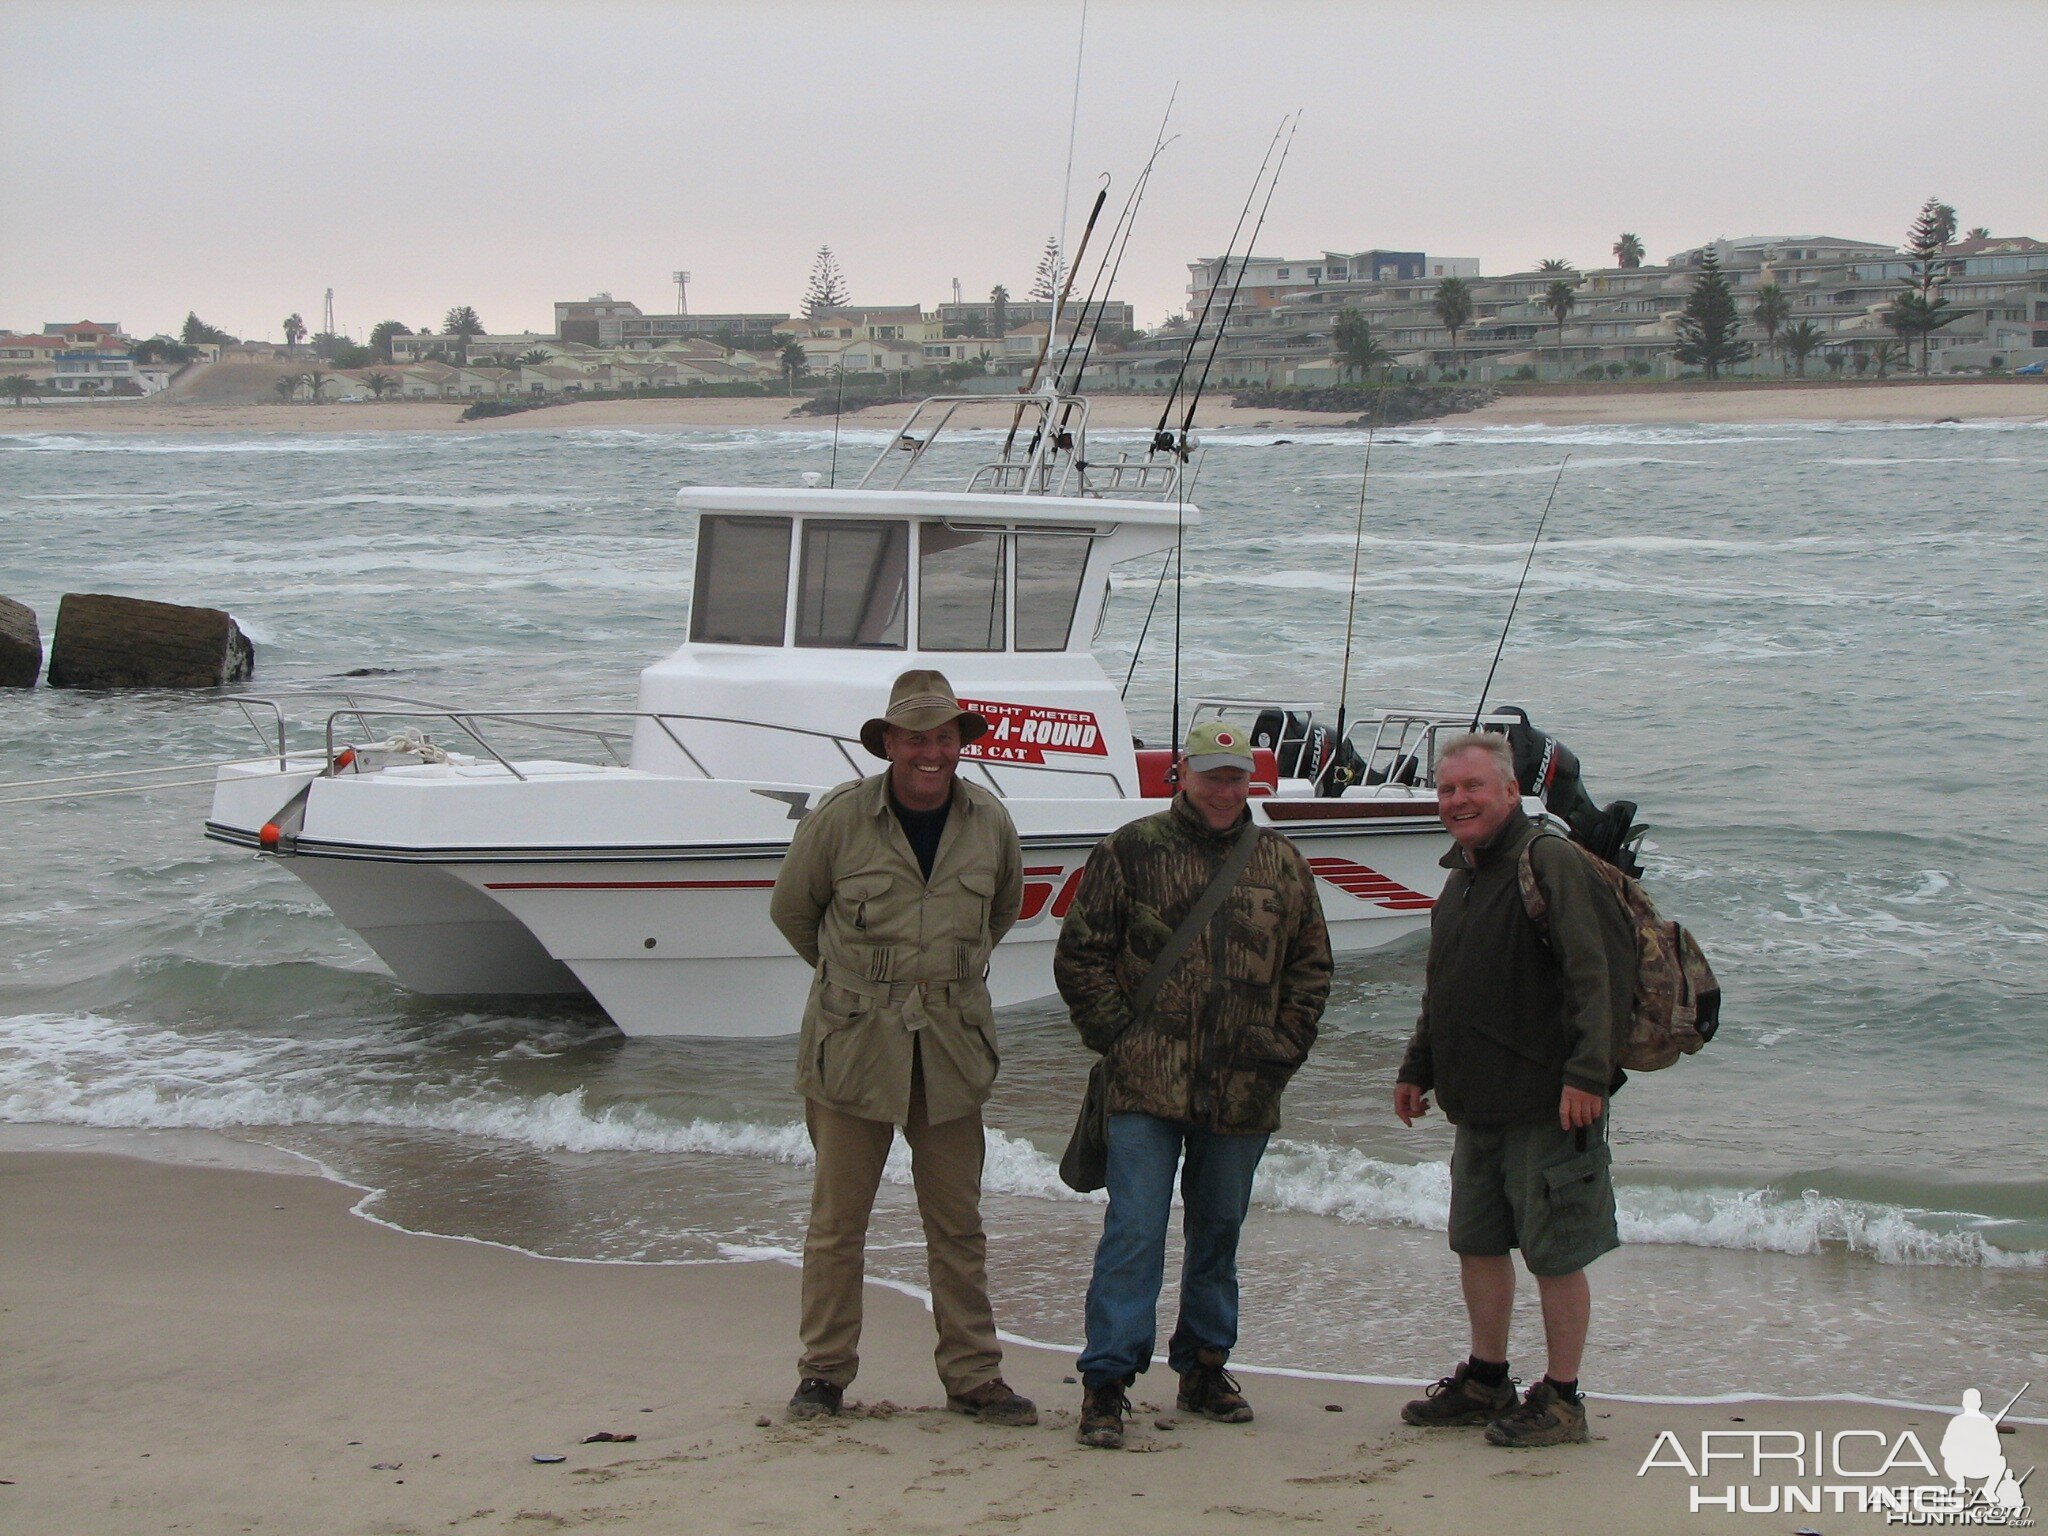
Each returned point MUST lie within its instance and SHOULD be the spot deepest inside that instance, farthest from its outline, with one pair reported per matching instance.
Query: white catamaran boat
(643, 880)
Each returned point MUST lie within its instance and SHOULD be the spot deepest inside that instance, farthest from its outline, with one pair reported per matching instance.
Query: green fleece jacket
(1508, 1018)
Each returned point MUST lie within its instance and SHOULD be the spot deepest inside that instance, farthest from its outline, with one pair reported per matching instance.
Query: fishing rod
(1162, 440)
(838, 405)
(1328, 770)
(1216, 341)
(1113, 256)
(1158, 586)
(1059, 302)
(1486, 687)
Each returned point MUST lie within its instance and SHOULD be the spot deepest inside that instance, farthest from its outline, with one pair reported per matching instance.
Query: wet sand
(1890, 400)
(209, 1349)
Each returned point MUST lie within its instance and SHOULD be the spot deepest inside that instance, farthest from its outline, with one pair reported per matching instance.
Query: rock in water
(131, 642)
(21, 645)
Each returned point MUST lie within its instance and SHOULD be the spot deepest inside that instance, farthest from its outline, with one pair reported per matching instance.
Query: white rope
(411, 741)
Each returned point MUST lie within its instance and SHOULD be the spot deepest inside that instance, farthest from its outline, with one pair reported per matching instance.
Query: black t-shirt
(923, 828)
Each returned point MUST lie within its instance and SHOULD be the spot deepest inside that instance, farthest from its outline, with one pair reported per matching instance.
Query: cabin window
(742, 592)
(960, 582)
(852, 585)
(1049, 570)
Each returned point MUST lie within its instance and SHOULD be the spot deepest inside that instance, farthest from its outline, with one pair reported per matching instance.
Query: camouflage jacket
(1228, 1030)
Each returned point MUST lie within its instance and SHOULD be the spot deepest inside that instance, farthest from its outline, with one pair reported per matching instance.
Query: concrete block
(131, 642)
(21, 645)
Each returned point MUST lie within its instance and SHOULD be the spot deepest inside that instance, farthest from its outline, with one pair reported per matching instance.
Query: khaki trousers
(945, 1166)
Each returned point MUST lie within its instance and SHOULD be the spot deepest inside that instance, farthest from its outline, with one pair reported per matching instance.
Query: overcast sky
(239, 158)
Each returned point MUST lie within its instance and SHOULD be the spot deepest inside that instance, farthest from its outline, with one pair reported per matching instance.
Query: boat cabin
(807, 602)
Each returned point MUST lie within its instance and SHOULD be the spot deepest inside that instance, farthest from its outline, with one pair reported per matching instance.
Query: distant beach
(1905, 401)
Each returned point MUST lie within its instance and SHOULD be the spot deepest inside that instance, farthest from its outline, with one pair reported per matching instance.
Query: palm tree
(379, 384)
(1801, 341)
(288, 388)
(19, 385)
(1357, 346)
(294, 333)
(533, 357)
(315, 382)
(1979, 233)
(1772, 310)
(1453, 306)
(1554, 264)
(1559, 298)
(793, 362)
(1628, 250)
(1885, 354)
(999, 311)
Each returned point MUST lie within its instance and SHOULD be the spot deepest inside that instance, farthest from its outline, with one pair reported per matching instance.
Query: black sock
(1488, 1373)
(1568, 1390)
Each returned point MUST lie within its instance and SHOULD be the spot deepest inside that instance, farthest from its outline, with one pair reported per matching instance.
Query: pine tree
(1708, 323)
(1919, 308)
(1052, 271)
(827, 289)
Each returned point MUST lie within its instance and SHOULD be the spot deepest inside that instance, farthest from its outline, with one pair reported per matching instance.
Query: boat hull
(679, 942)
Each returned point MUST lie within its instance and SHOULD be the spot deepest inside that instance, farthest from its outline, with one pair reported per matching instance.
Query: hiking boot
(1458, 1400)
(994, 1403)
(1102, 1416)
(1211, 1391)
(816, 1398)
(1545, 1417)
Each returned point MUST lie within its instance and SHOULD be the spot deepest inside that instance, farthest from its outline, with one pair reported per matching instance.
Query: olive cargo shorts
(1531, 1187)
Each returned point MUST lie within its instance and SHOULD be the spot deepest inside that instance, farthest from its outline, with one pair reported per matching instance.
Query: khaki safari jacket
(1231, 1023)
(901, 963)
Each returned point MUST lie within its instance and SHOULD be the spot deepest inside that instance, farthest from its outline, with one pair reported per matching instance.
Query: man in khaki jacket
(895, 889)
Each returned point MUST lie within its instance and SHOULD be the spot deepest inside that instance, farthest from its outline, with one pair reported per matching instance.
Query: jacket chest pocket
(977, 894)
(858, 899)
(1254, 934)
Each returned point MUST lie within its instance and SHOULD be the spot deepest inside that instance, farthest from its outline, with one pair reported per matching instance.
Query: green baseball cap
(1217, 744)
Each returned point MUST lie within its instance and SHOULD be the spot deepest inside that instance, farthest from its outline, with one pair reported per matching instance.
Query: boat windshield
(853, 585)
(978, 589)
(742, 595)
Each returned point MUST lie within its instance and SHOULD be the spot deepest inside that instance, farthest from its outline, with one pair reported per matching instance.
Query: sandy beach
(214, 1349)
(1891, 400)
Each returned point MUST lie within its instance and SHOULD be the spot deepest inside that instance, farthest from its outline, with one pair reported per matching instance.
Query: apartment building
(1625, 320)
(977, 318)
(1263, 282)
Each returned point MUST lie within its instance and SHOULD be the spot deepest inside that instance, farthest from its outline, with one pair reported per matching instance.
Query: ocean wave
(91, 1071)
(64, 442)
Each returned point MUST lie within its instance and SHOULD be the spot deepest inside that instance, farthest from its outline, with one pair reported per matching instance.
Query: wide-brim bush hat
(921, 700)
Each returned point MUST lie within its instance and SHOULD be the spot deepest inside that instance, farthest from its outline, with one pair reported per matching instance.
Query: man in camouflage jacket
(1201, 1073)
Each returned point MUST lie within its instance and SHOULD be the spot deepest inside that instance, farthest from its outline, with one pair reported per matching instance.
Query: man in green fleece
(1516, 1039)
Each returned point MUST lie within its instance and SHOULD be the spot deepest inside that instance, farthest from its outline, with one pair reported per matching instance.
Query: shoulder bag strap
(1205, 907)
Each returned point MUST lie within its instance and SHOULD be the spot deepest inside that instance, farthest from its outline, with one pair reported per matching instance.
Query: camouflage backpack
(1677, 1004)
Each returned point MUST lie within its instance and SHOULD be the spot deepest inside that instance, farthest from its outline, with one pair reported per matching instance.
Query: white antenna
(682, 281)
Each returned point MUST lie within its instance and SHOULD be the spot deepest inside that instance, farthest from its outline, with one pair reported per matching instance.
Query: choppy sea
(1814, 654)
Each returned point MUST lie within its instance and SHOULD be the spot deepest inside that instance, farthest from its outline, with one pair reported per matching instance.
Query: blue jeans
(1130, 1261)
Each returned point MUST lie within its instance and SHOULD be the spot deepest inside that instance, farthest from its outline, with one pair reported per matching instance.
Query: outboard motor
(1549, 770)
(1304, 750)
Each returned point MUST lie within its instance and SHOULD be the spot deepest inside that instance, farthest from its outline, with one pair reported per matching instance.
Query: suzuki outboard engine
(1549, 770)
(1304, 750)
